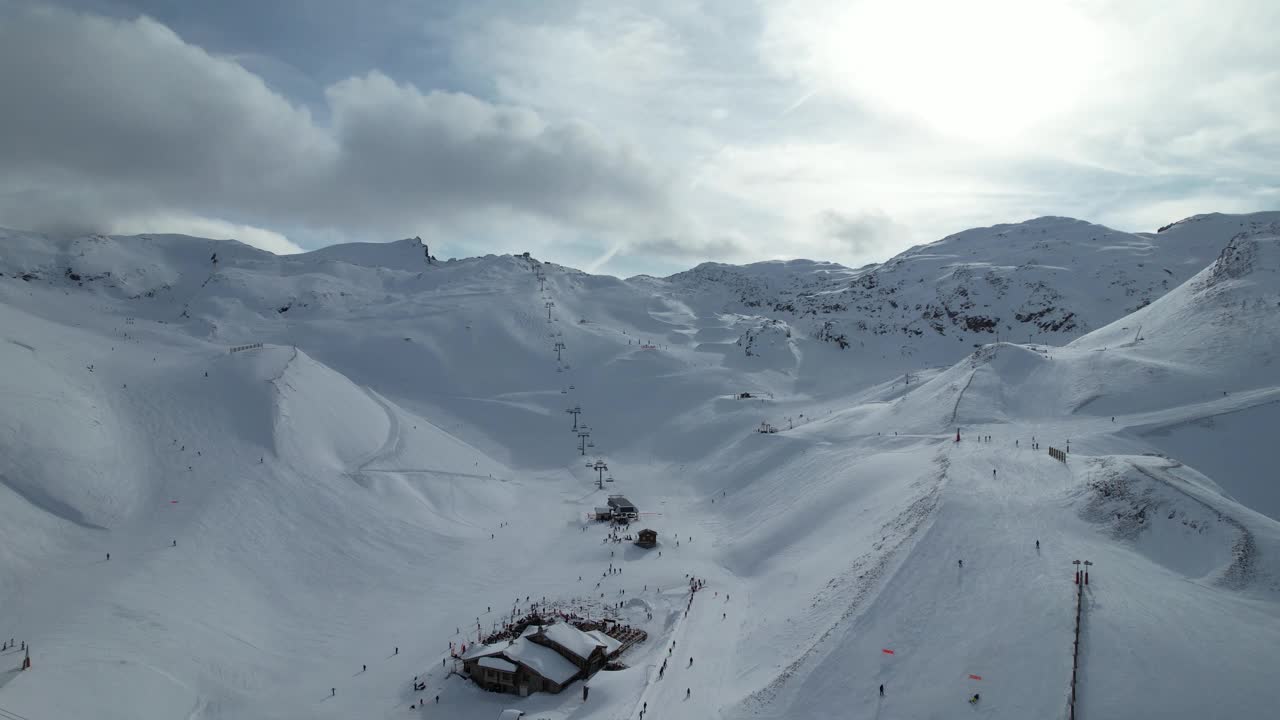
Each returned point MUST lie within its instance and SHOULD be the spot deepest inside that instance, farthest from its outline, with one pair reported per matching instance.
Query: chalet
(623, 509)
(647, 538)
(546, 658)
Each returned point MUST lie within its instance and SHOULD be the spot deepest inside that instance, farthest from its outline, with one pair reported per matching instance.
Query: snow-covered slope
(363, 454)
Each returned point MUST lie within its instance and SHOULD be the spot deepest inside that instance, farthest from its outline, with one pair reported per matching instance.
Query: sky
(632, 137)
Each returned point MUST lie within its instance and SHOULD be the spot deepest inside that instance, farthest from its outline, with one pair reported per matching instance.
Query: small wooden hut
(647, 538)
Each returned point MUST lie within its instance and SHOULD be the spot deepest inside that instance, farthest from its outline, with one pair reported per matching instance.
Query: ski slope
(302, 528)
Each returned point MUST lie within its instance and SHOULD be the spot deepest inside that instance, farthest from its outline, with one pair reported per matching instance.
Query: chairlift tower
(550, 305)
(600, 467)
(559, 346)
(575, 411)
(583, 434)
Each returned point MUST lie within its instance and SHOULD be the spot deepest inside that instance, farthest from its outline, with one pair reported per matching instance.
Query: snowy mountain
(318, 475)
(1045, 280)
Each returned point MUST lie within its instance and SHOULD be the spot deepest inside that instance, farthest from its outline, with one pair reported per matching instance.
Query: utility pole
(575, 411)
(1077, 564)
(1086, 571)
(559, 346)
(583, 434)
(549, 306)
(600, 467)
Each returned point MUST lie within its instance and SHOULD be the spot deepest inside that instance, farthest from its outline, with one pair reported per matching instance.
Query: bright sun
(987, 70)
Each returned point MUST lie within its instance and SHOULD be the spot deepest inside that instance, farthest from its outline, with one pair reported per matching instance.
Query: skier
(364, 668)
(1037, 544)
(397, 652)
(690, 662)
(974, 700)
(585, 690)
(333, 691)
(881, 690)
(175, 543)
(960, 563)
(108, 556)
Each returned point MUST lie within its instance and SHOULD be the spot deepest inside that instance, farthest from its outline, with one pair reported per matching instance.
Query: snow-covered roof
(543, 660)
(610, 644)
(572, 639)
(497, 663)
(478, 650)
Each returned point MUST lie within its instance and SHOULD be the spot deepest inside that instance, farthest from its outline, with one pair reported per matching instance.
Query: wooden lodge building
(544, 658)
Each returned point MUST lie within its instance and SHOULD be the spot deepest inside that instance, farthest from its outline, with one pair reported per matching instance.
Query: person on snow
(882, 690)
(974, 700)
(1037, 544)
(960, 563)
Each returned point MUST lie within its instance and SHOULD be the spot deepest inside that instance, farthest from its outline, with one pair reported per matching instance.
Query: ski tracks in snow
(864, 576)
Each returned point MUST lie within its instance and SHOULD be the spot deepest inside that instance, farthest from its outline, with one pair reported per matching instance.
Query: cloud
(631, 136)
(260, 238)
(107, 121)
(861, 234)
(726, 245)
(444, 152)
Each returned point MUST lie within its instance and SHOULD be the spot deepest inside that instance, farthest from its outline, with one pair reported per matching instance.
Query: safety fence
(1082, 579)
(251, 346)
(1057, 454)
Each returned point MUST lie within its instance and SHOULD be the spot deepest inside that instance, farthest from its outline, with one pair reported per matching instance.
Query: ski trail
(874, 572)
(707, 640)
(394, 438)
